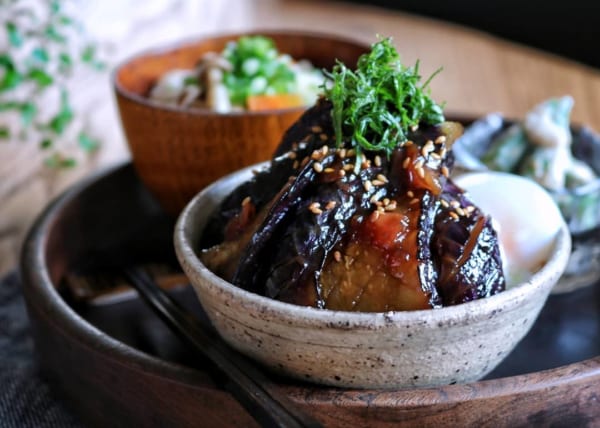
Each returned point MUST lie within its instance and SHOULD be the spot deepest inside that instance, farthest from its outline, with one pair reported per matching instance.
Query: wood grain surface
(481, 74)
(109, 373)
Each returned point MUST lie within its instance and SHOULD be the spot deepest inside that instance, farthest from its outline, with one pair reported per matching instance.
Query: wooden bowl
(117, 365)
(178, 151)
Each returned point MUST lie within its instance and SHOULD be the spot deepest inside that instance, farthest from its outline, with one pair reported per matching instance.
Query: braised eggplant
(334, 225)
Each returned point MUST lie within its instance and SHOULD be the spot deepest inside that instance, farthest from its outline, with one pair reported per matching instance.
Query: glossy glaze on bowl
(363, 350)
(178, 151)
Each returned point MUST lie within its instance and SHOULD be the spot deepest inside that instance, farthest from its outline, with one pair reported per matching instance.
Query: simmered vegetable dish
(357, 211)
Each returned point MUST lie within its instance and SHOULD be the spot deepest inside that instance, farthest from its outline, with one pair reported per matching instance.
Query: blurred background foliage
(42, 45)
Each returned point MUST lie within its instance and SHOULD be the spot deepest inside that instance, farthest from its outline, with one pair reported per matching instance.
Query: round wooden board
(116, 365)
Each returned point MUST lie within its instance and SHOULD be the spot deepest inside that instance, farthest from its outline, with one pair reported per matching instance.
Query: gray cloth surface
(26, 399)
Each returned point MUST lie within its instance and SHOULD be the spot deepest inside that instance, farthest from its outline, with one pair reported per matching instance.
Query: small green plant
(43, 45)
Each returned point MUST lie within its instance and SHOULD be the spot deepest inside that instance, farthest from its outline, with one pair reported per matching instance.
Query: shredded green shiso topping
(375, 106)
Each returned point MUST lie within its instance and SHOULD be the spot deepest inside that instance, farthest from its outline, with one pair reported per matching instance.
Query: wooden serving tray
(115, 363)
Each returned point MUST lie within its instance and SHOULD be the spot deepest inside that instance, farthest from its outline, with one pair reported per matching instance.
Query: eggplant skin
(466, 251)
(293, 232)
(302, 138)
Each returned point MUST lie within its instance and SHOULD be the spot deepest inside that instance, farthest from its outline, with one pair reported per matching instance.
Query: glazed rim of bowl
(544, 278)
(165, 49)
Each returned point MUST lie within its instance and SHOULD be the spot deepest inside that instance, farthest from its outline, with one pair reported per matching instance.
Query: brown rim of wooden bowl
(183, 44)
(479, 401)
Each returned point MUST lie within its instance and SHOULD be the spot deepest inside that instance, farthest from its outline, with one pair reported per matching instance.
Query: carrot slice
(273, 102)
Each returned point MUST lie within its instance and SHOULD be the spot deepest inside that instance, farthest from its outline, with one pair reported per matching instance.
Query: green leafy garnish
(375, 106)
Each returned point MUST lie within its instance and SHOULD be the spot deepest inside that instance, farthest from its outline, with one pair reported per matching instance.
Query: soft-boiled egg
(524, 215)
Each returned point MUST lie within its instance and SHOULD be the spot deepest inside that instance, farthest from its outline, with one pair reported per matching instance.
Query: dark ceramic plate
(116, 364)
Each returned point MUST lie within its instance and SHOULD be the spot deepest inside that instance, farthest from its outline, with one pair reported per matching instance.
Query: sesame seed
(386, 201)
(296, 164)
(410, 194)
(325, 150)
(470, 208)
(315, 208)
(348, 262)
(366, 163)
(391, 206)
(382, 177)
(323, 137)
(329, 170)
(459, 211)
(377, 183)
(315, 155)
(441, 139)
(374, 199)
(414, 201)
(351, 152)
(377, 160)
(246, 201)
(337, 256)
(342, 173)
(330, 205)
(292, 155)
(428, 147)
(367, 185)
(454, 203)
(374, 215)
(453, 215)
(316, 129)
(445, 203)
(318, 167)
(409, 143)
(421, 172)
(342, 153)
(380, 209)
(445, 171)
(348, 167)
(406, 162)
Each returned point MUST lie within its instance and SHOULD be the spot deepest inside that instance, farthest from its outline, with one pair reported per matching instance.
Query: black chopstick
(244, 381)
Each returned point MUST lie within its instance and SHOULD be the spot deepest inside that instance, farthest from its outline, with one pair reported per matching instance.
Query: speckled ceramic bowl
(363, 350)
